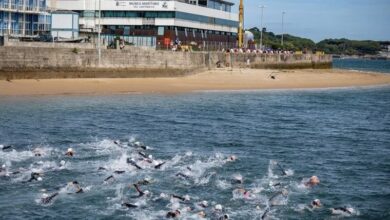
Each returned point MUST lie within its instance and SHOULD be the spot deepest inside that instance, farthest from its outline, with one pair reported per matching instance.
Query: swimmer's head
(3, 166)
(187, 198)
(218, 207)
(146, 192)
(284, 192)
(70, 150)
(150, 157)
(232, 158)
(316, 203)
(314, 180)
(350, 210)
(44, 195)
(202, 214)
(226, 216)
(39, 179)
(62, 163)
(204, 203)
(163, 195)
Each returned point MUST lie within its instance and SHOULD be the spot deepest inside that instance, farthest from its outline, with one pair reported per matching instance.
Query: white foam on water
(15, 156)
(223, 184)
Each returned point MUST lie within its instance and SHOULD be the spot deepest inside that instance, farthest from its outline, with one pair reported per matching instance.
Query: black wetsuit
(7, 147)
(129, 205)
(132, 162)
(183, 175)
(49, 198)
(34, 176)
(265, 214)
(140, 193)
(343, 209)
(158, 166)
(109, 178)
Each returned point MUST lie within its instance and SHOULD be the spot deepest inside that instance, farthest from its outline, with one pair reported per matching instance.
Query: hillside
(329, 46)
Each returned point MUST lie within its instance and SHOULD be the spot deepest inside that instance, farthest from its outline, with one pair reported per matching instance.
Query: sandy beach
(221, 79)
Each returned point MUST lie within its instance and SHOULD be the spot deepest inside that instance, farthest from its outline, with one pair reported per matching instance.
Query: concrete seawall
(40, 63)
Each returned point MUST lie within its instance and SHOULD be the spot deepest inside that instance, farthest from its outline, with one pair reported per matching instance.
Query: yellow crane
(241, 25)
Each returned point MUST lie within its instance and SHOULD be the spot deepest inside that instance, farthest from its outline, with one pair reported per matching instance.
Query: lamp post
(99, 33)
(283, 13)
(261, 27)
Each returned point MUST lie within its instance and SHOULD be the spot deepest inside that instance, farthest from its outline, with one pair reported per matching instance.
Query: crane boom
(241, 25)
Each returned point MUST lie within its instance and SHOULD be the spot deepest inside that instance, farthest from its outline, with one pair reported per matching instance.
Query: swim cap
(39, 178)
(204, 203)
(218, 207)
(70, 150)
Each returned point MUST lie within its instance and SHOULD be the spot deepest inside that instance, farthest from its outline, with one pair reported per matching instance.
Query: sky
(322, 19)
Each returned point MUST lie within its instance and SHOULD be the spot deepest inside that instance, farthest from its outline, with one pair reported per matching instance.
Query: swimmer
(316, 203)
(218, 213)
(62, 163)
(204, 204)
(35, 176)
(218, 208)
(277, 184)
(46, 199)
(158, 166)
(144, 182)
(119, 171)
(313, 181)
(3, 168)
(342, 211)
(140, 145)
(273, 200)
(132, 162)
(6, 147)
(75, 185)
(182, 198)
(245, 193)
(237, 179)
(3, 171)
(69, 152)
(110, 178)
(224, 217)
(281, 169)
(38, 152)
(201, 214)
(117, 143)
(140, 192)
(265, 214)
(144, 155)
(231, 158)
(173, 214)
(129, 205)
(183, 176)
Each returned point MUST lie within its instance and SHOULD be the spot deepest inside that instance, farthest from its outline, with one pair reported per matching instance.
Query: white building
(206, 23)
(65, 24)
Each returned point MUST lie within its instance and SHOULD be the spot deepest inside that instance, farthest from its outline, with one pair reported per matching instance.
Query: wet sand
(220, 79)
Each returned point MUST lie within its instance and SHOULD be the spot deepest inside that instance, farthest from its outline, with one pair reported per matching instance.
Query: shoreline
(212, 80)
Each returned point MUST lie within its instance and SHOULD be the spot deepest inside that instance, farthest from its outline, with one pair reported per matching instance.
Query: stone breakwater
(43, 63)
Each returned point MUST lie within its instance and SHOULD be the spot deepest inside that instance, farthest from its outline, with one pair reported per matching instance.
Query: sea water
(382, 66)
(340, 135)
